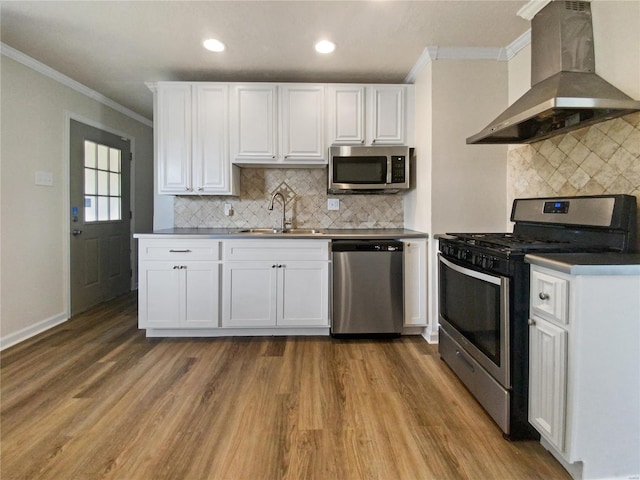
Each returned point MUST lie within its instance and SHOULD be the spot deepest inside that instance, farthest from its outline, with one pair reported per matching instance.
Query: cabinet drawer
(172, 249)
(267, 249)
(549, 297)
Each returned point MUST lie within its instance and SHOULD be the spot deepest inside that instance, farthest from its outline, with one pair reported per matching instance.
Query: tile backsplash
(305, 191)
(601, 159)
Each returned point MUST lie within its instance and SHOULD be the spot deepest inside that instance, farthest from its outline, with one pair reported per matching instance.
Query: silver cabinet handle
(179, 251)
(543, 296)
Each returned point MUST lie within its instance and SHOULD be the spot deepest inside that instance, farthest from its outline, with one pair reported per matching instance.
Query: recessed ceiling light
(213, 45)
(325, 46)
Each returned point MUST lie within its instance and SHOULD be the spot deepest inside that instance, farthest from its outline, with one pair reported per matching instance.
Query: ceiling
(114, 47)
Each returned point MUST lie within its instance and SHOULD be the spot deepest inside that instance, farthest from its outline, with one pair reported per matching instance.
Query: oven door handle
(471, 273)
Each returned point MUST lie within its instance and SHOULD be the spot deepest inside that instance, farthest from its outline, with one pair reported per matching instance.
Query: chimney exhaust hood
(565, 93)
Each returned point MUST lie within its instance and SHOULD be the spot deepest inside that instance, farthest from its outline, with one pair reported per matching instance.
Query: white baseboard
(430, 336)
(28, 332)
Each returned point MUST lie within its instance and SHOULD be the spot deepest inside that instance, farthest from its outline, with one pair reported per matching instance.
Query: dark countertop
(329, 234)
(588, 263)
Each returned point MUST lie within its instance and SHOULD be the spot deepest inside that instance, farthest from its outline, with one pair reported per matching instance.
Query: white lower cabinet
(179, 295)
(415, 282)
(179, 283)
(268, 294)
(584, 370)
(548, 380)
(276, 284)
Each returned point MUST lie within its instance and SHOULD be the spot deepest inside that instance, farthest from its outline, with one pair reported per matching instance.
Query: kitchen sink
(277, 231)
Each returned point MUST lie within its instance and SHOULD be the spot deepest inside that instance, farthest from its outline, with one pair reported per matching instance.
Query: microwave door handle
(389, 165)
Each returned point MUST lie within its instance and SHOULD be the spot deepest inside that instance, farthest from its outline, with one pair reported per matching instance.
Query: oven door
(474, 311)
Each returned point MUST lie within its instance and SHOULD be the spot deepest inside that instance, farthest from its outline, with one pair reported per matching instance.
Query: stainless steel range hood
(565, 92)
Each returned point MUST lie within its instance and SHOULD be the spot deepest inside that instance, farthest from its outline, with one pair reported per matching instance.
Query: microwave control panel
(397, 169)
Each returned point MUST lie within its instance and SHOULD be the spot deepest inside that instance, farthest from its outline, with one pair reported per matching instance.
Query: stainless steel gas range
(484, 293)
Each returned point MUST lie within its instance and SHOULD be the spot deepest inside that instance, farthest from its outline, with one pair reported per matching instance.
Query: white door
(161, 288)
(346, 114)
(253, 116)
(303, 117)
(173, 125)
(387, 115)
(211, 165)
(303, 298)
(100, 246)
(548, 380)
(249, 294)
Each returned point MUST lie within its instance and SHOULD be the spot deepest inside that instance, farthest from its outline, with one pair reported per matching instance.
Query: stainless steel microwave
(361, 169)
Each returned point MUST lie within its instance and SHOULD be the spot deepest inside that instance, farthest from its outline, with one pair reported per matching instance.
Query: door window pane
(90, 209)
(114, 208)
(90, 181)
(114, 159)
(102, 183)
(103, 208)
(90, 154)
(103, 157)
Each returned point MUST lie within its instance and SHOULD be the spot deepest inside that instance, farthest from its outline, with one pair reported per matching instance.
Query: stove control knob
(464, 254)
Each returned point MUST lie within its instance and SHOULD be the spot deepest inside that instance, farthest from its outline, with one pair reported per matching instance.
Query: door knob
(76, 232)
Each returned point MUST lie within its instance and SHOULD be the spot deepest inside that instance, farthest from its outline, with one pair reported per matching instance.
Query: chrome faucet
(283, 222)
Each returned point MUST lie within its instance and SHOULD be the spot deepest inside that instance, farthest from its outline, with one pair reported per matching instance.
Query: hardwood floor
(94, 399)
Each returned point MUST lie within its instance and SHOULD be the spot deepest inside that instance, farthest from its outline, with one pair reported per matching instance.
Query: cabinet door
(201, 283)
(346, 114)
(253, 130)
(415, 283)
(249, 294)
(211, 164)
(302, 113)
(548, 380)
(303, 298)
(160, 295)
(173, 137)
(386, 115)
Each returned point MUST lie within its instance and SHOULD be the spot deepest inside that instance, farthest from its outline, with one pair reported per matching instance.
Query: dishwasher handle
(367, 246)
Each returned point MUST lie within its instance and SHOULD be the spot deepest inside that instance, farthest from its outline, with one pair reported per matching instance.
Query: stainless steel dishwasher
(367, 287)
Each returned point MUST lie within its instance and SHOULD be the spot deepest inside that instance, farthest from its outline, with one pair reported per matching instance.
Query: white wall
(468, 181)
(459, 187)
(616, 37)
(35, 234)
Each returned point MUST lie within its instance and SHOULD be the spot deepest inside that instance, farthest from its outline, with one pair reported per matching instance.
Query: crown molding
(518, 44)
(428, 55)
(502, 54)
(530, 9)
(47, 71)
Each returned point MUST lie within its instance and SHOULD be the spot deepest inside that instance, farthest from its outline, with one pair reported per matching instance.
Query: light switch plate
(333, 204)
(44, 178)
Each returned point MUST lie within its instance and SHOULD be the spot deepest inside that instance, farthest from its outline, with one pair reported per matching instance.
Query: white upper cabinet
(254, 123)
(281, 125)
(346, 114)
(192, 144)
(302, 125)
(387, 115)
(173, 137)
(211, 164)
(370, 115)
